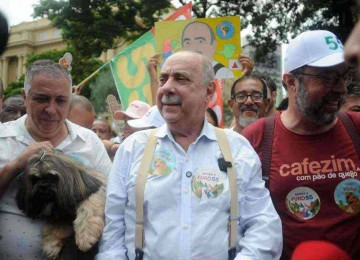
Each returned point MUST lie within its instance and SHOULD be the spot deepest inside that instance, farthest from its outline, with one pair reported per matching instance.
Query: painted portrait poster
(217, 38)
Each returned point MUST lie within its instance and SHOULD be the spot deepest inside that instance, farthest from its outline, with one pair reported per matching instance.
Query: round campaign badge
(207, 183)
(347, 196)
(303, 202)
(225, 30)
(163, 163)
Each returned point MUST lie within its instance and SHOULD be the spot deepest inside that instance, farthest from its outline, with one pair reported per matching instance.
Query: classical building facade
(27, 38)
(32, 37)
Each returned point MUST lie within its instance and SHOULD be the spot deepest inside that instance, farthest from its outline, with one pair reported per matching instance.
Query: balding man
(81, 111)
(187, 196)
(200, 37)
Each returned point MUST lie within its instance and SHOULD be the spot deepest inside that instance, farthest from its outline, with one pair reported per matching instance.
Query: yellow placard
(217, 38)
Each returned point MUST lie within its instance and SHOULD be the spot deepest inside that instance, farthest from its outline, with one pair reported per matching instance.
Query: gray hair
(50, 68)
(208, 73)
(353, 90)
(13, 108)
(208, 70)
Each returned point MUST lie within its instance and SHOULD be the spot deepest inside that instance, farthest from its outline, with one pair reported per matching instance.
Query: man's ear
(211, 88)
(289, 80)
(230, 102)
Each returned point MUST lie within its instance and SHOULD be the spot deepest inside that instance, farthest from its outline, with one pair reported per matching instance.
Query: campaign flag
(129, 66)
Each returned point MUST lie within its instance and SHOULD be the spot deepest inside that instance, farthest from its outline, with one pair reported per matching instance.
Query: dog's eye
(52, 176)
(34, 179)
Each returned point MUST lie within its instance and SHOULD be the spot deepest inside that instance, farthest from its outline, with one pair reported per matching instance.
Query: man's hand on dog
(35, 147)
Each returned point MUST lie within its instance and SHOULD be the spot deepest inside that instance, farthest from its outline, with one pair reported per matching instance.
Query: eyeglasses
(255, 97)
(331, 78)
(101, 131)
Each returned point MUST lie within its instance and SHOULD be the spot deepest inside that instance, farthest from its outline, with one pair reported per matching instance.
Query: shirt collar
(18, 130)
(74, 130)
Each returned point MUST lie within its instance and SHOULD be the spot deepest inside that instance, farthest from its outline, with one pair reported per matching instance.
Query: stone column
(5, 68)
(23, 69)
(20, 65)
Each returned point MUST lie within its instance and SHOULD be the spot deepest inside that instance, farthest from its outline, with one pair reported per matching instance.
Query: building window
(57, 33)
(43, 36)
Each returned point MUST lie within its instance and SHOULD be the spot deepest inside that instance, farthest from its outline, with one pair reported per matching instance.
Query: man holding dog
(187, 194)
(47, 92)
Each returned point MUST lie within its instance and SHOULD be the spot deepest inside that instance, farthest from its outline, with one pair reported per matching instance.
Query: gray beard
(314, 112)
(244, 122)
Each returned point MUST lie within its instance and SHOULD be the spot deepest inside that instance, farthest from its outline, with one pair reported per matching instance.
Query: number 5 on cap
(331, 42)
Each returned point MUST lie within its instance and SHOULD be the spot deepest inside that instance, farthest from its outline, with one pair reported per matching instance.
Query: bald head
(186, 87)
(81, 111)
(208, 74)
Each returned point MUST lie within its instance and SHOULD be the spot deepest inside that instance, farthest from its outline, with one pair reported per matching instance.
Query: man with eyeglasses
(248, 101)
(313, 164)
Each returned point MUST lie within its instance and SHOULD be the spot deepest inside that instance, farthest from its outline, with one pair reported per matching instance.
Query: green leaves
(91, 27)
(272, 22)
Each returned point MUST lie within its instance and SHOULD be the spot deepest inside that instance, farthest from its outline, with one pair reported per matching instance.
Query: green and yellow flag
(129, 66)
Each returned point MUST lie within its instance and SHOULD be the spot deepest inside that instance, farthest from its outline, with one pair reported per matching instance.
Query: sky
(17, 11)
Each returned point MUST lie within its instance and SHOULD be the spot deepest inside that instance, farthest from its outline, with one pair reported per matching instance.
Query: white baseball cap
(314, 48)
(152, 118)
(136, 109)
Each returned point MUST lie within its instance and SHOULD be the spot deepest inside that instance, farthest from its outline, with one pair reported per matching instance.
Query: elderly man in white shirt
(187, 195)
(47, 91)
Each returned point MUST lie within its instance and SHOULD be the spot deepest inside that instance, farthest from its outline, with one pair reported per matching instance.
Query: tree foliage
(14, 88)
(101, 87)
(81, 68)
(272, 22)
(93, 26)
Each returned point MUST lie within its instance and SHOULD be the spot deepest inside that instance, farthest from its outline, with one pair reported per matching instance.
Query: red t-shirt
(314, 184)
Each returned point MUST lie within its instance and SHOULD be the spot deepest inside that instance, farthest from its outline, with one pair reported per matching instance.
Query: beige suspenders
(234, 218)
(140, 187)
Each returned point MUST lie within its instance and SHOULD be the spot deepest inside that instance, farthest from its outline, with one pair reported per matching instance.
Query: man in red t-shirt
(314, 175)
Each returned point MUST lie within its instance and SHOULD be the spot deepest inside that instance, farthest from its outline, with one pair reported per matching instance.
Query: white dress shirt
(20, 235)
(187, 201)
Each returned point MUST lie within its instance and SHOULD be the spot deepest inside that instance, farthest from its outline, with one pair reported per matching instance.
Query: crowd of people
(279, 183)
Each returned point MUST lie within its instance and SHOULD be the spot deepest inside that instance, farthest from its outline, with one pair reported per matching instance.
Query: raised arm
(154, 82)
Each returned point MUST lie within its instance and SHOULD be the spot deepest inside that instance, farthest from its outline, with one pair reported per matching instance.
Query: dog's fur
(68, 196)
